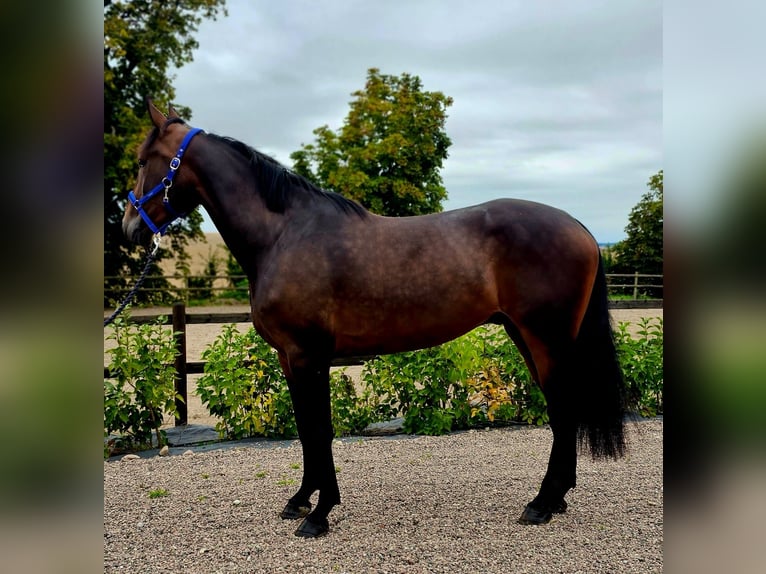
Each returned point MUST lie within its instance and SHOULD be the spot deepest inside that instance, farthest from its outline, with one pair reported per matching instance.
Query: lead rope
(134, 290)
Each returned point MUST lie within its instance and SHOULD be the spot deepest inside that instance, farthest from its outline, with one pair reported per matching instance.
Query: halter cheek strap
(163, 187)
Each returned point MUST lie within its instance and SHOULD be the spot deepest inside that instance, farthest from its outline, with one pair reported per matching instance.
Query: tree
(641, 250)
(142, 40)
(389, 151)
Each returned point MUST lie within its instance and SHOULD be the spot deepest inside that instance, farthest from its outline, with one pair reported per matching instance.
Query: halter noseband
(163, 186)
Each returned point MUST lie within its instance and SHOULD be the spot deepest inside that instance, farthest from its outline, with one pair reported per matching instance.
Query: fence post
(179, 332)
(635, 285)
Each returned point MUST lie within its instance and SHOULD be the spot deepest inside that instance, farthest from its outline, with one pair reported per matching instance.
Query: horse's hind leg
(310, 392)
(561, 474)
(545, 359)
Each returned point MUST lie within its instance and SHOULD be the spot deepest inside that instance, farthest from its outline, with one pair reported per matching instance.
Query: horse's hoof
(311, 529)
(533, 515)
(294, 511)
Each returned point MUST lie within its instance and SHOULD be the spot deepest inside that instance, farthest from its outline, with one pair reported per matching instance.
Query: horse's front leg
(310, 392)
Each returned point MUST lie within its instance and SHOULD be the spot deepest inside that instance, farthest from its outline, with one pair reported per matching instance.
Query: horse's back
(520, 237)
(384, 284)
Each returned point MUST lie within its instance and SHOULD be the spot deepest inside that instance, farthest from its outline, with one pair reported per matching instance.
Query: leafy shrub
(243, 384)
(141, 389)
(503, 387)
(491, 398)
(428, 387)
(478, 379)
(641, 359)
(351, 413)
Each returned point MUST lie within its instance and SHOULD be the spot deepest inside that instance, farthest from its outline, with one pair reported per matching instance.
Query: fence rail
(188, 287)
(179, 319)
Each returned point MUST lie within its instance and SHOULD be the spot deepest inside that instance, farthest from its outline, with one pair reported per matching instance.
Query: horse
(329, 279)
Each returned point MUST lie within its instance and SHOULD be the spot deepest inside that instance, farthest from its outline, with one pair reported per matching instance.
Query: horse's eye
(141, 163)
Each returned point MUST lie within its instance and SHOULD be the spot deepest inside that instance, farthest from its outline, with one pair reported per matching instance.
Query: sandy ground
(199, 337)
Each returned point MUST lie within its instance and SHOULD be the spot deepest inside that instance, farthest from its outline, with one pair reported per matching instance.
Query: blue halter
(163, 186)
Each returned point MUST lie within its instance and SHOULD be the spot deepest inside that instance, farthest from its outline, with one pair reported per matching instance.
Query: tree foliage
(388, 153)
(143, 39)
(642, 250)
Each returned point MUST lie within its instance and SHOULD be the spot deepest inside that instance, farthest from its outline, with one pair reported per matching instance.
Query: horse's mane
(275, 181)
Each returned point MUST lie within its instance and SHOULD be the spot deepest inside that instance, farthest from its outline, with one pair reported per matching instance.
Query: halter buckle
(156, 240)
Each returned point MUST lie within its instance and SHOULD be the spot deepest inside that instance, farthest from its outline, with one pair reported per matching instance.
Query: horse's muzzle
(136, 231)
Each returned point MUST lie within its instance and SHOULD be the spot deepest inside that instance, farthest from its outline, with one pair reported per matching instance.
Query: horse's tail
(600, 394)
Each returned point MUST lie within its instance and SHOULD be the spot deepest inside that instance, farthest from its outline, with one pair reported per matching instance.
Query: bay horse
(329, 279)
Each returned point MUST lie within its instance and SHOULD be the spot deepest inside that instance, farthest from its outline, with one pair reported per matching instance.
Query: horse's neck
(239, 213)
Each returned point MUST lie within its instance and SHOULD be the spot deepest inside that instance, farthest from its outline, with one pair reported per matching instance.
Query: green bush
(507, 392)
(641, 359)
(243, 384)
(428, 388)
(481, 378)
(351, 413)
(475, 380)
(141, 387)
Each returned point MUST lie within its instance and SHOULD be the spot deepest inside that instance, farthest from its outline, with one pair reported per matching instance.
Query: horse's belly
(381, 332)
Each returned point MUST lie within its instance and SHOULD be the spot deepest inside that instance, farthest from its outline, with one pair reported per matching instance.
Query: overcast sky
(558, 102)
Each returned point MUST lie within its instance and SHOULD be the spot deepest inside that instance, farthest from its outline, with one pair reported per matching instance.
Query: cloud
(556, 102)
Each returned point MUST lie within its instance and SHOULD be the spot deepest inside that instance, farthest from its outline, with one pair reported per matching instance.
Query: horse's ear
(158, 118)
(172, 113)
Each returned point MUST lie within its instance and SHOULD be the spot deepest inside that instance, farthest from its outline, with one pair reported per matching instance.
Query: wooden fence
(179, 319)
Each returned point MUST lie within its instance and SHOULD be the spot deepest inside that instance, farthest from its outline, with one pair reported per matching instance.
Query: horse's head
(166, 187)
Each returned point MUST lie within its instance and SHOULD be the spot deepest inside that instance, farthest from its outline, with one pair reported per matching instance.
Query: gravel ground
(410, 505)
